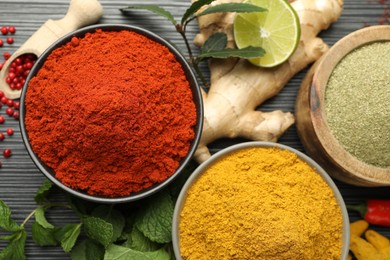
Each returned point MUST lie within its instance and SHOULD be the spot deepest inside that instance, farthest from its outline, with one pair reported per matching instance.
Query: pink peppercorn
(7, 153)
(10, 131)
(12, 29)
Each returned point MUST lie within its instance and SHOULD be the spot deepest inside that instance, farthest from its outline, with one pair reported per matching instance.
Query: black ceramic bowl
(196, 94)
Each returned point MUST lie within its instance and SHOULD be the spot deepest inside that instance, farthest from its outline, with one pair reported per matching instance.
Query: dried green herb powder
(357, 103)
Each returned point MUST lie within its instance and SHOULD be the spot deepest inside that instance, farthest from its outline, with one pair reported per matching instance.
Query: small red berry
(4, 30)
(4, 100)
(1, 94)
(9, 111)
(10, 40)
(29, 65)
(12, 29)
(11, 75)
(16, 115)
(10, 103)
(2, 136)
(2, 120)
(1, 43)
(6, 55)
(10, 131)
(7, 153)
(16, 105)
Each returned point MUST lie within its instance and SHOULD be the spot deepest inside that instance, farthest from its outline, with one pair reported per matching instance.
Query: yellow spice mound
(260, 203)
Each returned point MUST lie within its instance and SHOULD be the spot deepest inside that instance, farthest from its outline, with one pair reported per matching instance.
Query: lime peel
(276, 30)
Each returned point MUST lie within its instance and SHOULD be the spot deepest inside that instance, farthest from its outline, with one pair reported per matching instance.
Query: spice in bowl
(357, 103)
(111, 113)
(260, 201)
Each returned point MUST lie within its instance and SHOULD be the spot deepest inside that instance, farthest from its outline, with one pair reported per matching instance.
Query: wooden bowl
(313, 129)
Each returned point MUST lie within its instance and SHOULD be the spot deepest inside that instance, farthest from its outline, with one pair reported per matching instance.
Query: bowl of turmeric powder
(260, 200)
(111, 113)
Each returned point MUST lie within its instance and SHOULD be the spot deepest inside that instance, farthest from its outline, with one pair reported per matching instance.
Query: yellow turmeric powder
(260, 203)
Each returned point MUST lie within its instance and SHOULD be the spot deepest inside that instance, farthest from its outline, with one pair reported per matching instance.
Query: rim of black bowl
(196, 93)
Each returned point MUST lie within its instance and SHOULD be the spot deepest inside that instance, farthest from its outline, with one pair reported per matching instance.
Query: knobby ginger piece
(238, 87)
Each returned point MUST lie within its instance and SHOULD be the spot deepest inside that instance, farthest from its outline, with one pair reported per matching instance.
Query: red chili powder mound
(111, 113)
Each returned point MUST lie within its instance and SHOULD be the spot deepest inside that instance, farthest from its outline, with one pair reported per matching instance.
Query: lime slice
(276, 30)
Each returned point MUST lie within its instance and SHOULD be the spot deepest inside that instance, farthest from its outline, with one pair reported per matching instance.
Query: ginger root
(374, 247)
(238, 87)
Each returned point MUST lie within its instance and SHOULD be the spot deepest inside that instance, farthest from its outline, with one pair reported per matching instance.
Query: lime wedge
(276, 30)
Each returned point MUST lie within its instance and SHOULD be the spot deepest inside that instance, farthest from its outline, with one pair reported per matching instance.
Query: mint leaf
(67, 236)
(112, 216)
(86, 250)
(155, 218)
(137, 241)
(245, 53)
(98, 229)
(43, 236)
(215, 42)
(232, 7)
(15, 248)
(41, 219)
(6, 222)
(114, 252)
(155, 9)
(193, 9)
(41, 195)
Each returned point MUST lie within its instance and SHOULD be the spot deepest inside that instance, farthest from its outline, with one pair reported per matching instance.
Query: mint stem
(28, 218)
(49, 205)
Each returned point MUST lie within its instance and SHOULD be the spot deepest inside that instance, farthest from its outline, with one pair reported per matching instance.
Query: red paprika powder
(111, 113)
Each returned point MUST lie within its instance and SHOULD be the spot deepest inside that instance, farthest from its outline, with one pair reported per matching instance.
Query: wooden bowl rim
(317, 100)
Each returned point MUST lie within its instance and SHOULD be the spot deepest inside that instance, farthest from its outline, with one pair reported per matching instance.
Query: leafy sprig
(215, 46)
(103, 231)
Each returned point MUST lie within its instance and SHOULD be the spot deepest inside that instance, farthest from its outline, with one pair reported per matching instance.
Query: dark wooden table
(19, 178)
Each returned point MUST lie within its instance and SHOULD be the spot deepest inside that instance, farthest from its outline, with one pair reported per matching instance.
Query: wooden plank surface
(19, 178)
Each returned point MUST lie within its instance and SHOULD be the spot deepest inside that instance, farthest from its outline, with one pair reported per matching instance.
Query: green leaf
(155, 218)
(215, 42)
(232, 7)
(6, 222)
(86, 250)
(112, 216)
(98, 229)
(137, 241)
(193, 9)
(153, 8)
(15, 249)
(67, 236)
(41, 219)
(43, 236)
(114, 252)
(245, 53)
(43, 191)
